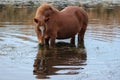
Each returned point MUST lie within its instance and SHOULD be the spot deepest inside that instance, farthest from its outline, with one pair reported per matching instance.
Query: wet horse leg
(47, 41)
(72, 41)
(81, 35)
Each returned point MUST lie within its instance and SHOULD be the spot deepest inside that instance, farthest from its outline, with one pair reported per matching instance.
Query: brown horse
(51, 24)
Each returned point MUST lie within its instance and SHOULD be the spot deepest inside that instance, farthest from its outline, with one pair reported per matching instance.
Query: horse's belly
(66, 34)
(69, 28)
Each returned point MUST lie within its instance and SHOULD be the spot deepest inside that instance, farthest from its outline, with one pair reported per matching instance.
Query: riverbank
(60, 3)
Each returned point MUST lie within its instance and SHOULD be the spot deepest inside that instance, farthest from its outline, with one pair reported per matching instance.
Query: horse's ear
(36, 20)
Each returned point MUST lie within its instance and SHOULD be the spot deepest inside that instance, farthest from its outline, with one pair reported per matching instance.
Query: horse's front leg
(47, 41)
(52, 41)
(72, 41)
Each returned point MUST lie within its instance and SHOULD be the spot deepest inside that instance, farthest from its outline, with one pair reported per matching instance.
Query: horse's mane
(45, 6)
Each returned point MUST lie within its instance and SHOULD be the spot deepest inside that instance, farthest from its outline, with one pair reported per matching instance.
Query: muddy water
(21, 58)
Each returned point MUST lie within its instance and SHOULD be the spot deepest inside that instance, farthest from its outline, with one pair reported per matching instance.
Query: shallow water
(21, 58)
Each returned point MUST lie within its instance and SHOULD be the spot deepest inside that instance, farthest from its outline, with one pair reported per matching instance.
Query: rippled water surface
(21, 58)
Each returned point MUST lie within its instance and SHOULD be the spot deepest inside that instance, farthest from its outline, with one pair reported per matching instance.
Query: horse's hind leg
(81, 34)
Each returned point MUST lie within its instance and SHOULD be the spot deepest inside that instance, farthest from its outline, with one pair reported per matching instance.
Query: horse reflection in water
(63, 57)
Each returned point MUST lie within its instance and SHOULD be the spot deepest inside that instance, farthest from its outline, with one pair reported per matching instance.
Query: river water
(21, 58)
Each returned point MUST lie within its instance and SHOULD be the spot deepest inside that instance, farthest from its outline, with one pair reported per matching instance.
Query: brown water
(21, 58)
